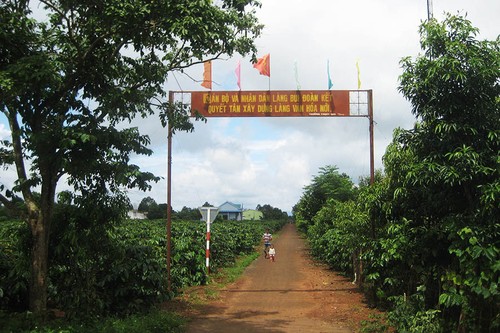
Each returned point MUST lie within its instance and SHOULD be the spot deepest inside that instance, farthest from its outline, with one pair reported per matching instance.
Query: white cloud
(269, 161)
(4, 132)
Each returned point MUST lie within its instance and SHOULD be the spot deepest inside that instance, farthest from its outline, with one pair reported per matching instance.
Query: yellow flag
(359, 76)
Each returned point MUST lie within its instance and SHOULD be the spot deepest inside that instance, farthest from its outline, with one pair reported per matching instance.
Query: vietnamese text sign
(292, 103)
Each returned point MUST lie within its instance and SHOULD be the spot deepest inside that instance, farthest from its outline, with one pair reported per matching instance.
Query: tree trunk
(39, 265)
(357, 264)
(461, 326)
(40, 218)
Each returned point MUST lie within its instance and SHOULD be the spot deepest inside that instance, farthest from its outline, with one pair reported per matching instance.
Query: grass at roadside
(199, 295)
(230, 274)
(153, 322)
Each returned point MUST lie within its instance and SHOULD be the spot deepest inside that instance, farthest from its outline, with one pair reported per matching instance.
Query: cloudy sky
(254, 161)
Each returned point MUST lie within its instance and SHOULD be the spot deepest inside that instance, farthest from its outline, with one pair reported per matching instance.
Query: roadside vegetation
(423, 241)
(73, 76)
(115, 279)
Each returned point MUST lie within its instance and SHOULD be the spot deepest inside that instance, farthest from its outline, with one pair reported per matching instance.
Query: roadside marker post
(208, 214)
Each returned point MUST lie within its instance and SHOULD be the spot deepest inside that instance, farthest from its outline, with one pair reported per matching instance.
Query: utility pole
(372, 155)
(429, 9)
(169, 193)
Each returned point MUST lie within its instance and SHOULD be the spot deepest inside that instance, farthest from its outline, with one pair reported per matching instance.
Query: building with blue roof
(231, 211)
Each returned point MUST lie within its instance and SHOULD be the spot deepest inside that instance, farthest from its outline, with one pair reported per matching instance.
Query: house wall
(232, 216)
(135, 215)
(252, 214)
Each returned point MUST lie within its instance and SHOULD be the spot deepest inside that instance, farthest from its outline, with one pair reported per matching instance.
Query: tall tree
(188, 214)
(146, 204)
(445, 171)
(271, 213)
(70, 74)
(329, 184)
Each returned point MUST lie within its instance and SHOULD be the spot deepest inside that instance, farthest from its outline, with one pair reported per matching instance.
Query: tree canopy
(146, 204)
(424, 240)
(445, 171)
(329, 184)
(271, 213)
(73, 72)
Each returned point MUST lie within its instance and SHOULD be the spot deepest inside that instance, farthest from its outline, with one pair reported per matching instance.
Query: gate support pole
(372, 155)
(169, 192)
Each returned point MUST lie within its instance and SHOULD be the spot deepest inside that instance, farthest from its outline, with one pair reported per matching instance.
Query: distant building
(136, 215)
(231, 211)
(252, 214)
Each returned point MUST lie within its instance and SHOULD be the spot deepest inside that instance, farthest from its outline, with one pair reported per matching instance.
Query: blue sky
(269, 160)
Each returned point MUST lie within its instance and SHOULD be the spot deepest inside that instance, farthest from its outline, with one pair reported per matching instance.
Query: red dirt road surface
(292, 294)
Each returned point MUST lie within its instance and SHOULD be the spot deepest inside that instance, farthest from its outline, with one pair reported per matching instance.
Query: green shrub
(375, 324)
(410, 316)
(14, 265)
(119, 268)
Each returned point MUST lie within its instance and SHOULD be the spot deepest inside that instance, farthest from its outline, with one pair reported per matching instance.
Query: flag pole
(429, 9)
(330, 84)
(263, 65)
(269, 73)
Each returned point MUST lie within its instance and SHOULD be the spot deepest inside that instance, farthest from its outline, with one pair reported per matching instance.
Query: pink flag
(237, 71)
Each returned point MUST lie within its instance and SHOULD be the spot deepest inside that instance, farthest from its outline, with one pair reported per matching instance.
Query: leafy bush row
(424, 239)
(120, 269)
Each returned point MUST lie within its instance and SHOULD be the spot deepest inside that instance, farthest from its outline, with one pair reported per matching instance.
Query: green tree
(342, 232)
(68, 79)
(188, 214)
(329, 184)
(445, 173)
(146, 204)
(155, 212)
(271, 213)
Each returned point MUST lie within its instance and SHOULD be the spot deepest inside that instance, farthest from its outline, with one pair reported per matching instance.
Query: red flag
(207, 75)
(237, 71)
(263, 65)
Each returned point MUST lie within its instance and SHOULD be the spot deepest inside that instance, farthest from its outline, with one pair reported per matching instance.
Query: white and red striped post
(209, 217)
(207, 251)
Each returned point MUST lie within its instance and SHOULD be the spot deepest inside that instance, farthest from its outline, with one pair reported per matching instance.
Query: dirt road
(292, 294)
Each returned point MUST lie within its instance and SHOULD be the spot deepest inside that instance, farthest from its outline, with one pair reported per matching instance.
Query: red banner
(292, 103)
